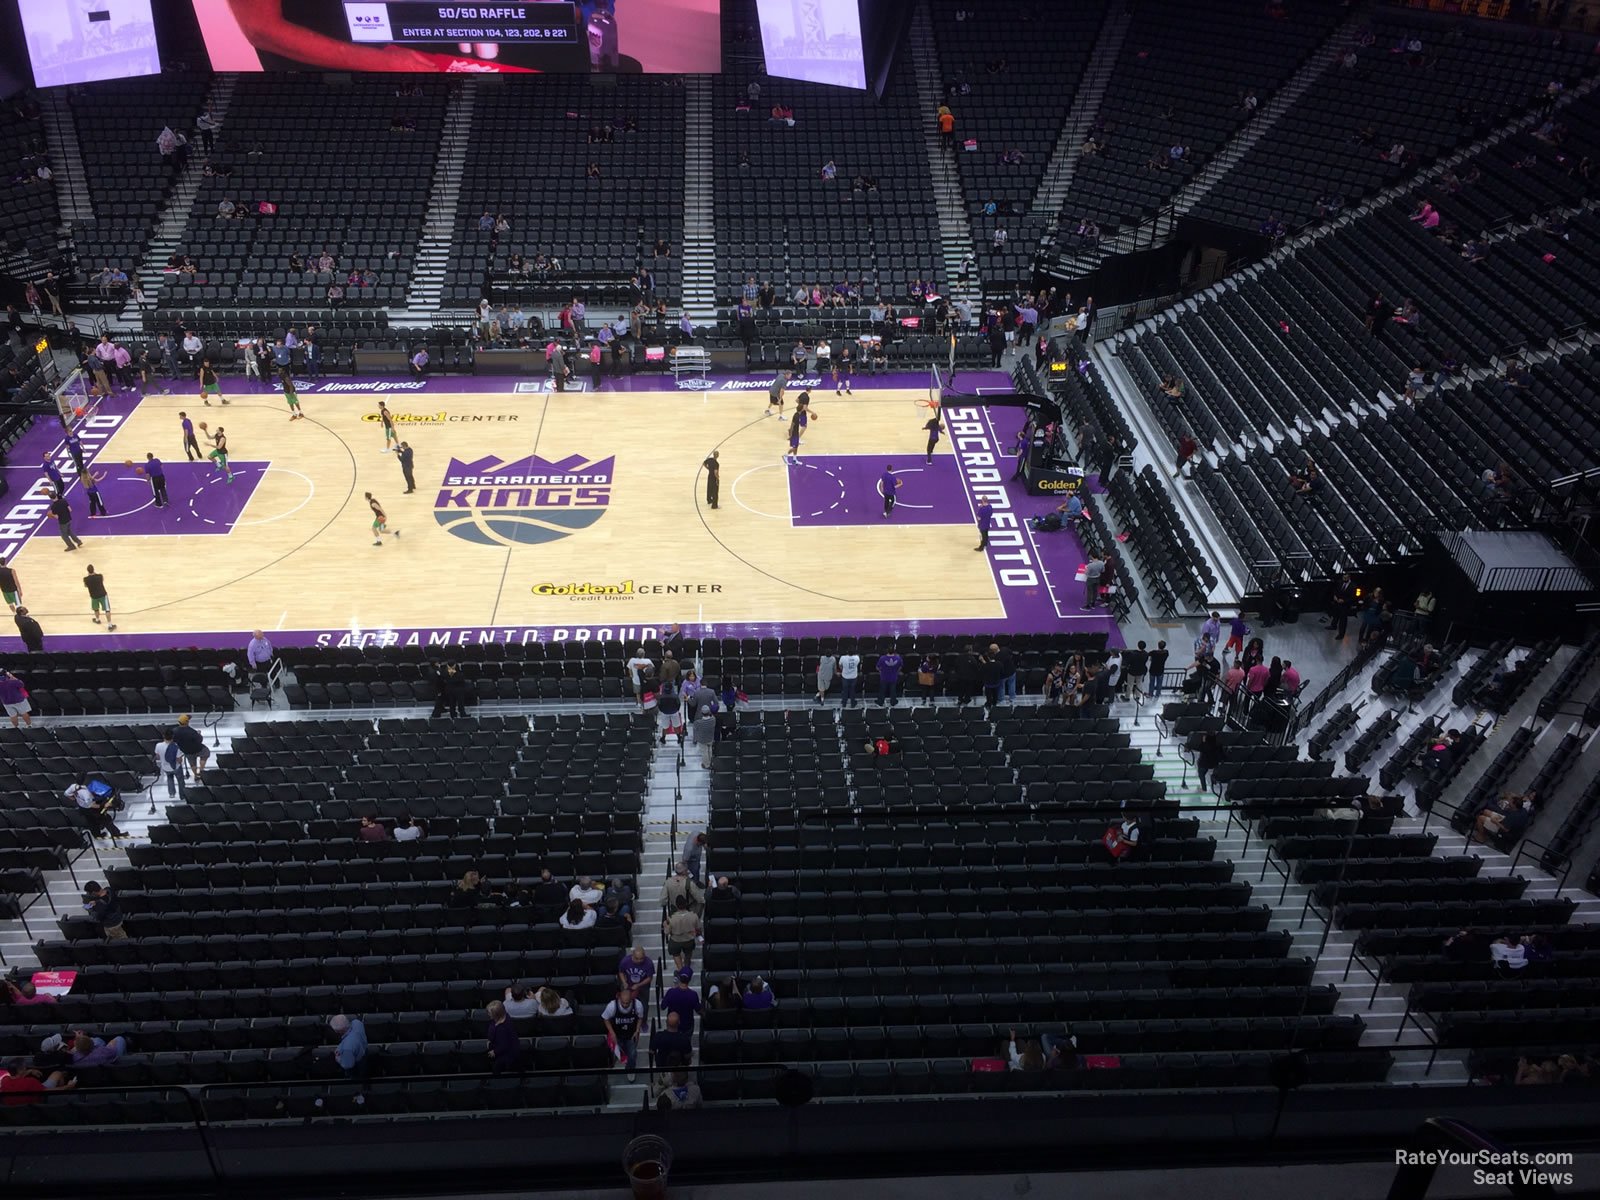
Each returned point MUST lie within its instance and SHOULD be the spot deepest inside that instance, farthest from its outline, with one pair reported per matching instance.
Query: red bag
(1102, 1062)
(1116, 845)
(989, 1064)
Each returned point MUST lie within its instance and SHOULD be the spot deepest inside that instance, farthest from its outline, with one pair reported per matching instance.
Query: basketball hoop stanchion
(73, 402)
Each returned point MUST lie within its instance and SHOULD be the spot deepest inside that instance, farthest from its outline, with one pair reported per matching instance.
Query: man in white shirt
(586, 891)
(849, 676)
(636, 667)
(192, 345)
(169, 765)
(407, 830)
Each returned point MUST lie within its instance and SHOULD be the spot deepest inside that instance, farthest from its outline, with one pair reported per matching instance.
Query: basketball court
(541, 515)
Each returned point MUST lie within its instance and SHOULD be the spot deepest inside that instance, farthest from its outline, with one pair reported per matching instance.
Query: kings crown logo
(524, 502)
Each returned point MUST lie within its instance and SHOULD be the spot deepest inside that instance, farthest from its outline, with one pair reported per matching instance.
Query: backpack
(172, 756)
(100, 789)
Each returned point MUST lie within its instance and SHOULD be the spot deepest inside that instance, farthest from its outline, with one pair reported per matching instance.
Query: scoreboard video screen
(530, 36)
(85, 41)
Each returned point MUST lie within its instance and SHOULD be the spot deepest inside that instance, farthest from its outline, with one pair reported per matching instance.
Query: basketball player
(797, 424)
(210, 384)
(292, 396)
(9, 587)
(713, 478)
(380, 521)
(219, 451)
(91, 489)
(842, 366)
(775, 393)
(389, 434)
(191, 447)
(934, 429)
(75, 449)
(98, 600)
(889, 483)
(157, 475)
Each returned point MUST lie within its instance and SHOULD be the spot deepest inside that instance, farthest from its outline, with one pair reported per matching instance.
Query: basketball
(78, 411)
(127, 462)
(202, 424)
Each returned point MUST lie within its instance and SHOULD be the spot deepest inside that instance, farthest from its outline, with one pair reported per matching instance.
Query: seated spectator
(1464, 946)
(25, 994)
(1474, 251)
(226, 209)
(759, 996)
(520, 1002)
(1505, 820)
(577, 916)
(1177, 152)
(371, 831)
(680, 1092)
(585, 892)
(551, 1004)
(1508, 953)
(830, 171)
(89, 1051)
(592, 171)
(408, 830)
(1172, 386)
(1029, 1058)
(21, 1084)
(1121, 840)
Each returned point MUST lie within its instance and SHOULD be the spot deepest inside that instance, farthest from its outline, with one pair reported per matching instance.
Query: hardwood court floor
(288, 545)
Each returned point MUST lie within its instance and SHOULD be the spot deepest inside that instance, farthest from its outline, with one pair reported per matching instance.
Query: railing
(1550, 854)
(1336, 685)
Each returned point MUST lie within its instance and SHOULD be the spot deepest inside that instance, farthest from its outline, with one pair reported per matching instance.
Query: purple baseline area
(847, 489)
(1029, 612)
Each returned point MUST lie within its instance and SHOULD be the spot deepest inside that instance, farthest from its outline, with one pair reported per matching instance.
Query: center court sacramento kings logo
(524, 502)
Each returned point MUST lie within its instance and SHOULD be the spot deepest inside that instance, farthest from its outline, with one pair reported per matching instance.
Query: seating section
(911, 941)
(1468, 77)
(1009, 81)
(533, 141)
(256, 913)
(129, 179)
(1182, 79)
(29, 217)
(778, 219)
(349, 165)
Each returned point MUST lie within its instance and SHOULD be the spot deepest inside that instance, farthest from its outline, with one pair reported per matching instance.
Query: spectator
(371, 831)
(1506, 820)
(680, 1092)
(96, 800)
(759, 996)
(693, 851)
(1464, 946)
(671, 1045)
(101, 905)
(681, 1000)
(520, 1002)
(1508, 954)
(623, 1018)
(25, 994)
(681, 929)
(1121, 840)
(30, 631)
(636, 970)
(577, 916)
(585, 892)
(505, 1047)
(682, 884)
(193, 744)
(351, 1052)
(14, 698)
(407, 830)
(552, 1004)
(1209, 755)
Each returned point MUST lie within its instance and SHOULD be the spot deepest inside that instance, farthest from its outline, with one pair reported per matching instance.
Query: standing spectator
(1135, 663)
(1187, 447)
(101, 905)
(889, 666)
(693, 852)
(169, 765)
(681, 1000)
(825, 668)
(258, 653)
(96, 800)
(351, 1053)
(671, 1045)
(1344, 598)
(849, 677)
(1291, 680)
(193, 744)
(704, 729)
(681, 929)
(623, 1017)
(1158, 668)
(947, 129)
(636, 971)
(1092, 572)
(638, 667)
(1238, 630)
(1208, 755)
(29, 631)
(505, 1047)
(682, 884)
(14, 698)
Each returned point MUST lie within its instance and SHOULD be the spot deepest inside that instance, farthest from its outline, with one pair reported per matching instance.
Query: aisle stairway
(439, 223)
(699, 212)
(175, 214)
(955, 232)
(1058, 173)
